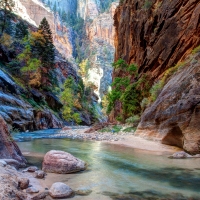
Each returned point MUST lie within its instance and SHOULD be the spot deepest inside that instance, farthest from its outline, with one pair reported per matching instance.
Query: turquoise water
(117, 172)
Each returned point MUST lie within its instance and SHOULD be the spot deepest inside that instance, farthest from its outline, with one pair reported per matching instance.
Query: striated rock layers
(174, 118)
(100, 34)
(156, 35)
(21, 115)
(8, 148)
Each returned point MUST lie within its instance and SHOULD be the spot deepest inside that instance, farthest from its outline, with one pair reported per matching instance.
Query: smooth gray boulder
(60, 190)
(62, 162)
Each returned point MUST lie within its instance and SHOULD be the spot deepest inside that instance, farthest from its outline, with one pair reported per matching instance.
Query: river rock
(183, 154)
(23, 183)
(60, 190)
(32, 190)
(32, 169)
(39, 174)
(62, 162)
(42, 195)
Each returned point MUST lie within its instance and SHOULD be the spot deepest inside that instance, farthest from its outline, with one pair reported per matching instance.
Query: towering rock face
(8, 148)
(156, 35)
(34, 11)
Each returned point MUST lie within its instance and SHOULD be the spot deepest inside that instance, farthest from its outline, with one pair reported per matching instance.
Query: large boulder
(62, 162)
(60, 190)
(8, 148)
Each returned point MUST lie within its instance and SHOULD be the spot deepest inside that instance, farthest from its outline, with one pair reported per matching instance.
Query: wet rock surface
(62, 162)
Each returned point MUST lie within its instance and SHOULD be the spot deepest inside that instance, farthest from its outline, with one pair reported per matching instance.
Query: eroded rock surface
(174, 117)
(8, 148)
(62, 162)
(155, 35)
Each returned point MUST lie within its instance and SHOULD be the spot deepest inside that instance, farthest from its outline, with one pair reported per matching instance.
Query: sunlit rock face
(101, 43)
(34, 11)
(102, 27)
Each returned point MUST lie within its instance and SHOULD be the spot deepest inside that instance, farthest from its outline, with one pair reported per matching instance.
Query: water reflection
(122, 173)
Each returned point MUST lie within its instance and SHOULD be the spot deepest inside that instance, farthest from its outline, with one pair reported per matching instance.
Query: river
(116, 172)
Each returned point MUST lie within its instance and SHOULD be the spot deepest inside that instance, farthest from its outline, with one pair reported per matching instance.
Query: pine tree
(21, 30)
(46, 51)
(6, 6)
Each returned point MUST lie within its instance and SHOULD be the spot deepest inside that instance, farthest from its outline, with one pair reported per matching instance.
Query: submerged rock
(60, 190)
(32, 190)
(183, 154)
(83, 192)
(62, 162)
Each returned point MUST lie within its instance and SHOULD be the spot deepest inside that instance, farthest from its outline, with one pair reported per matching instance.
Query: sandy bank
(132, 141)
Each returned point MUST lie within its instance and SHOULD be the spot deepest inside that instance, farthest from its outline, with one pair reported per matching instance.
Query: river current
(116, 172)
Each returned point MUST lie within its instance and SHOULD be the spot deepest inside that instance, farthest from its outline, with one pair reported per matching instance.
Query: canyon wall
(156, 35)
(100, 34)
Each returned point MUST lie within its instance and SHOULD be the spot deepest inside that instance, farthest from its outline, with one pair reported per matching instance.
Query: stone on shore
(60, 190)
(23, 183)
(62, 162)
(32, 190)
(39, 174)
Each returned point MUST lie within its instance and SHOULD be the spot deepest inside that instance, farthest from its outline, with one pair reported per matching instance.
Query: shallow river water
(117, 172)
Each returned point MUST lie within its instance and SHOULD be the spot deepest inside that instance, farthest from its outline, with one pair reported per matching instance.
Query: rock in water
(62, 162)
(39, 174)
(60, 190)
(8, 148)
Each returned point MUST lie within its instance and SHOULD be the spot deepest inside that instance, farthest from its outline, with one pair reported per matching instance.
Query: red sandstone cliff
(156, 36)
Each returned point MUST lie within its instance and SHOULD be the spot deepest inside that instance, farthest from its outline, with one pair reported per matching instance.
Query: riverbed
(116, 172)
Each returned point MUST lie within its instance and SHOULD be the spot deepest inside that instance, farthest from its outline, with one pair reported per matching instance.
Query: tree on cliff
(6, 6)
(68, 97)
(21, 30)
(45, 51)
